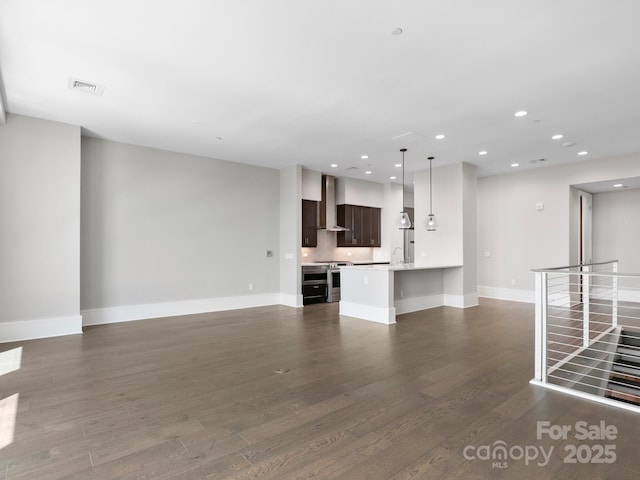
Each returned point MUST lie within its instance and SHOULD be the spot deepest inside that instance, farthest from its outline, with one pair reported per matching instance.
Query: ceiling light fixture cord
(431, 222)
(404, 222)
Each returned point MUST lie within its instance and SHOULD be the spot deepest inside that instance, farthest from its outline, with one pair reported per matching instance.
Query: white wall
(445, 245)
(391, 237)
(352, 191)
(160, 228)
(616, 228)
(290, 204)
(40, 229)
(311, 185)
(454, 241)
(518, 237)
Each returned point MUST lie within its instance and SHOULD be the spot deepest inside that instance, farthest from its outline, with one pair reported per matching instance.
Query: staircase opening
(588, 333)
(624, 379)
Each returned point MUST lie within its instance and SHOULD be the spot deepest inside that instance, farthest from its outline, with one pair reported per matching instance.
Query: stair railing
(580, 311)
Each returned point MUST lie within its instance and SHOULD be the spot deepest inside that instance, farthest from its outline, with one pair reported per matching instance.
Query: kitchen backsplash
(327, 250)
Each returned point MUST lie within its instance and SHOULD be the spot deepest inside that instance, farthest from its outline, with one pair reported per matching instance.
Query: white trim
(512, 294)
(40, 328)
(100, 316)
(367, 312)
(291, 300)
(528, 296)
(460, 301)
(413, 304)
(587, 396)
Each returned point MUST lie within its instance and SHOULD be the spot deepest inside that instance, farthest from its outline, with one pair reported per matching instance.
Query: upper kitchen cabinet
(309, 223)
(374, 226)
(363, 224)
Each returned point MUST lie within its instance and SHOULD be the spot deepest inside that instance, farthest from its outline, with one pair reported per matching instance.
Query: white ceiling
(316, 82)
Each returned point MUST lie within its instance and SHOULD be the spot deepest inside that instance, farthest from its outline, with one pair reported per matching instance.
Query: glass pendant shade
(403, 220)
(431, 223)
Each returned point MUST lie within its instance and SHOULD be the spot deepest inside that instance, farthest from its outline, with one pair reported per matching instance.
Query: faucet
(396, 250)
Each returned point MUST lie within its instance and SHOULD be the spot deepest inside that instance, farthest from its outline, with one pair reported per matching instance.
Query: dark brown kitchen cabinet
(374, 227)
(309, 223)
(363, 224)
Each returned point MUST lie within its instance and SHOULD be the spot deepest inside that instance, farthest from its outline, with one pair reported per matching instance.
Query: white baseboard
(512, 294)
(40, 328)
(291, 300)
(367, 312)
(414, 304)
(528, 296)
(100, 316)
(460, 301)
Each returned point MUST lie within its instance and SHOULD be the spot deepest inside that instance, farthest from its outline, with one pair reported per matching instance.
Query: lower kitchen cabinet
(363, 224)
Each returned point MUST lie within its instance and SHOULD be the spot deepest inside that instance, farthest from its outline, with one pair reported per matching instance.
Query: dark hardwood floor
(198, 397)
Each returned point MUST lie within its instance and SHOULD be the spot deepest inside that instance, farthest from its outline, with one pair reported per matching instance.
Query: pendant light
(431, 219)
(404, 222)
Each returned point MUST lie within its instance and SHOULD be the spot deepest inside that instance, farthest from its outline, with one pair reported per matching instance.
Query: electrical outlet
(269, 253)
(513, 282)
(401, 293)
(366, 280)
(251, 286)
(487, 254)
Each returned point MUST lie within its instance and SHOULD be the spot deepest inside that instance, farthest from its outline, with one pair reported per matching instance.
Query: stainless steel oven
(333, 283)
(314, 284)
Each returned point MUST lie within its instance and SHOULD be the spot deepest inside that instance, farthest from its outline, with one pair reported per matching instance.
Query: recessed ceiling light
(618, 185)
(521, 113)
(557, 137)
(368, 172)
(439, 137)
(392, 178)
(584, 152)
(334, 165)
(398, 165)
(396, 31)
(482, 152)
(364, 157)
(515, 164)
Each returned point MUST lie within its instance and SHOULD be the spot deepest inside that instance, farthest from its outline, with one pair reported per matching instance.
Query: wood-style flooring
(198, 397)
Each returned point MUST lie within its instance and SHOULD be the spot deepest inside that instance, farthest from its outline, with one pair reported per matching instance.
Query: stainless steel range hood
(327, 213)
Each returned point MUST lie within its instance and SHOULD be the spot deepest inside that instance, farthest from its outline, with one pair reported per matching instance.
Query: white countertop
(400, 267)
(356, 263)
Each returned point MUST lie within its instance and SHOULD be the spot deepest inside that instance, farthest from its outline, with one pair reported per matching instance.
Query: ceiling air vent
(538, 160)
(351, 169)
(86, 87)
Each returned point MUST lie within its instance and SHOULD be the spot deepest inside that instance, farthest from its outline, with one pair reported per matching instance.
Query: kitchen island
(380, 292)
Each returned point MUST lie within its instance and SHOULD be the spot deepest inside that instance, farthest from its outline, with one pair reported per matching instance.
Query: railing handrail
(553, 269)
(597, 274)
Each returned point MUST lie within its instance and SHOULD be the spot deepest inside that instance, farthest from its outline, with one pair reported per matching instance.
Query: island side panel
(367, 294)
(418, 290)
